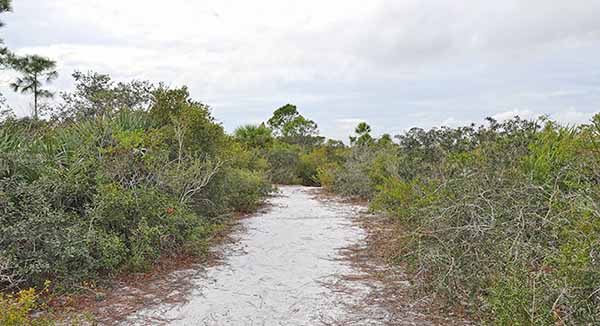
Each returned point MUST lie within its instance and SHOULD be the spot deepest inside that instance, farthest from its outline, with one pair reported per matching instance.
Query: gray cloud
(396, 64)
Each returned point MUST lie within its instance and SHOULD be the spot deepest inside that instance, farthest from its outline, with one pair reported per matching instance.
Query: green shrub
(326, 174)
(111, 250)
(39, 240)
(283, 160)
(98, 194)
(502, 219)
(353, 179)
(245, 189)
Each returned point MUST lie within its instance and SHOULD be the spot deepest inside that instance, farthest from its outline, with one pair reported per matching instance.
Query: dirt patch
(326, 195)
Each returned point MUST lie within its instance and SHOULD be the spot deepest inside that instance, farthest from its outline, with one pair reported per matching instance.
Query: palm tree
(255, 136)
(35, 70)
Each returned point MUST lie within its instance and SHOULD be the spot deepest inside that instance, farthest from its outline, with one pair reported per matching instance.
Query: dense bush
(290, 146)
(248, 186)
(353, 178)
(113, 188)
(283, 160)
(502, 218)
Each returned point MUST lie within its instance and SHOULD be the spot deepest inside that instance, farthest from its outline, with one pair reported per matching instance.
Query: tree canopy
(34, 71)
(97, 95)
(292, 127)
(363, 134)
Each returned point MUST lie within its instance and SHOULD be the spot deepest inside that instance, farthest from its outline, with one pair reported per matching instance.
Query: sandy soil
(309, 259)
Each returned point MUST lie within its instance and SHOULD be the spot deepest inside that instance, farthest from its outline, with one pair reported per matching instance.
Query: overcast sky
(395, 64)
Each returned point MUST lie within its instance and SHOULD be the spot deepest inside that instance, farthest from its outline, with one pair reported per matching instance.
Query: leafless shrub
(8, 278)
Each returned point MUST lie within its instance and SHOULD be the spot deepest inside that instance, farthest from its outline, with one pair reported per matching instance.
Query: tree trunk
(35, 98)
(35, 104)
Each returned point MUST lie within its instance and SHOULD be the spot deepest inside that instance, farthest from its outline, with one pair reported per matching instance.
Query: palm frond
(129, 120)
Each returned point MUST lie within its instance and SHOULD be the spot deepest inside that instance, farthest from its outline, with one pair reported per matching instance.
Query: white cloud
(345, 127)
(574, 117)
(523, 114)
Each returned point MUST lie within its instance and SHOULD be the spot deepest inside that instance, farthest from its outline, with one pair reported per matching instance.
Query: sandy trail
(283, 269)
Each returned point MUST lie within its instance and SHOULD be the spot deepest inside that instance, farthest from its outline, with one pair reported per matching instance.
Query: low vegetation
(501, 219)
(118, 177)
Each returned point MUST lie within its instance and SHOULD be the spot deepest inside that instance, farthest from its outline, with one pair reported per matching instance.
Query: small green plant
(16, 309)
